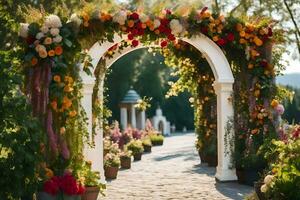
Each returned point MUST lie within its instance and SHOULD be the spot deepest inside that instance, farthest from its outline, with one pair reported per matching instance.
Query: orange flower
(243, 41)
(62, 130)
(250, 66)
(257, 41)
(86, 24)
(215, 38)
(73, 113)
(58, 50)
(67, 103)
(144, 26)
(274, 103)
(67, 88)
(51, 53)
(85, 16)
(49, 173)
(149, 23)
(34, 61)
(130, 23)
(239, 27)
(54, 105)
(57, 78)
(254, 53)
(48, 40)
(156, 31)
(242, 33)
(254, 131)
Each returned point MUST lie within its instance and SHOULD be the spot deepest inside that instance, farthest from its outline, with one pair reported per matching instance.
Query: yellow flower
(67, 88)
(242, 33)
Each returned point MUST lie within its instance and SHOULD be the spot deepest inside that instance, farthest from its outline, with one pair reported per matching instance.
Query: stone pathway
(170, 172)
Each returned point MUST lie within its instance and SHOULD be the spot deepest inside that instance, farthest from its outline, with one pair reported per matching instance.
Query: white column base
(224, 175)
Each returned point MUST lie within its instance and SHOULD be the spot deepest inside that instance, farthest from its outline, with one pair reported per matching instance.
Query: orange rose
(57, 78)
(130, 23)
(144, 26)
(54, 105)
(34, 61)
(49, 173)
(243, 41)
(257, 41)
(58, 50)
(73, 113)
(250, 66)
(51, 53)
(67, 103)
(215, 38)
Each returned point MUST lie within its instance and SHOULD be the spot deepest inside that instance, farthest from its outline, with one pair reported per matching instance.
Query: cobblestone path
(172, 172)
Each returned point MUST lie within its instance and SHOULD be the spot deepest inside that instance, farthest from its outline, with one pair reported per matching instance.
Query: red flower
(270, 32)
(30, 40)
(230, 37)
(135, 43)
(52, 186)
(163, 43)
(141, 32)
(130, 36)
(221, 42)
(164, 22)
(264, 63)
(135, 31)
(168, 12)
(81, 189)
(134, 16)
(171, 37)
(69, 185)
(204, 30)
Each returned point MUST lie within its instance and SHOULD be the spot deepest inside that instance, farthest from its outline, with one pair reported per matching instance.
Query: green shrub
(157, 139)
(112, 160)
(135, 146)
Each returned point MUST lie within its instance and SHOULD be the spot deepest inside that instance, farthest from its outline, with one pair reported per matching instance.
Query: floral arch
(62, 92)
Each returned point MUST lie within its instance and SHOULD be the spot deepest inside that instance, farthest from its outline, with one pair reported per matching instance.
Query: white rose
(268, 179)
(144, 18)
(44, 29)
(176, 27)
(156, 23)
(57, 39)
(39, 35)
(53, 21)
(264, 188)
(120, 17)
(54, 31)
(23, 31)
(75, 19)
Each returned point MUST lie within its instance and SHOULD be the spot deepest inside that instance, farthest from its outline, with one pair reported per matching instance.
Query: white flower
(144, 18)
(23, 31)
(57, 39)
(54, 31)
(156, 23)
(44, 29)
(39, 35)
(264, 188)
(176, 27)
(75, 19)
(268, 179)
(53, 21)
(120, 17)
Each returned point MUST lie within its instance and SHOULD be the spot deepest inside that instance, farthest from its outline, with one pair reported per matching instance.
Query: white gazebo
(130, 116)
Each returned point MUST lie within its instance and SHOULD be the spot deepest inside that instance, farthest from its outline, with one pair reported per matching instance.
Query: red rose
(135, 43)
(171, 37)
(204, 30)
(52, 186)
(69, 185)
(81, 189)
(135, 31)
(230, 37)
(134, 16)
(221, 42)
(270, 32)
(164, 21)
(141, 32)
(163, 43)
(130, 36)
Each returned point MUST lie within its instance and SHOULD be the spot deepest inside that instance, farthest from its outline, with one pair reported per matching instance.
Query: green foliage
(292, 106)
(135, 146)
(20, 134)
(112, 160)
(147, 141)
(157, 139)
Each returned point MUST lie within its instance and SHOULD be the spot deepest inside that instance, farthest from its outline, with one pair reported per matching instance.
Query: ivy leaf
(33, 29)
(68, 42)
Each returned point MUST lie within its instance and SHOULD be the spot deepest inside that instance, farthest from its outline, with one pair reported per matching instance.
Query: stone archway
(223, 86)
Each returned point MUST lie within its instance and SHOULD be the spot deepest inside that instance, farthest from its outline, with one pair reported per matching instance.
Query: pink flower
(279, 109)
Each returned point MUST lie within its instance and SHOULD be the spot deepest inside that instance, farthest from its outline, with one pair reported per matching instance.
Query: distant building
(160, 122)
(130, 116)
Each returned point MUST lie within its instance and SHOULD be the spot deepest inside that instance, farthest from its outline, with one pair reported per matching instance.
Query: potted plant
(200, 149)
(147, 144)
(125, 158)
(91, 183)
(157, 139)
(111, 165)
(136, 147)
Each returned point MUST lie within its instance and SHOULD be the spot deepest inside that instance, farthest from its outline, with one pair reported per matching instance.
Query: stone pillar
(225, 169)
(133, 117)
(143, 119)
(92, 154)
(123, 120)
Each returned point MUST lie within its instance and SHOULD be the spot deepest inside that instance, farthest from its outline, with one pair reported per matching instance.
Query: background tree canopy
(149, 76)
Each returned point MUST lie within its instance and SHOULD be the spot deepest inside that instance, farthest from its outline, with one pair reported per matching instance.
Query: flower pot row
(91, 193)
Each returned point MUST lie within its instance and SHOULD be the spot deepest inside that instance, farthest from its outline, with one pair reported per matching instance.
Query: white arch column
(225, 168)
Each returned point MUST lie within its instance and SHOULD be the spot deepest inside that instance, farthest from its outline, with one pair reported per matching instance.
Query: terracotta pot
(147, 148)
(212, 161)
(111, 172)
(260, 195)
(126, 162)
(137, 156)
(91, 193)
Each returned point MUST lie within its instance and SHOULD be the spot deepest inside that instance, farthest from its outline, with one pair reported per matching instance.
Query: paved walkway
(170, 172)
